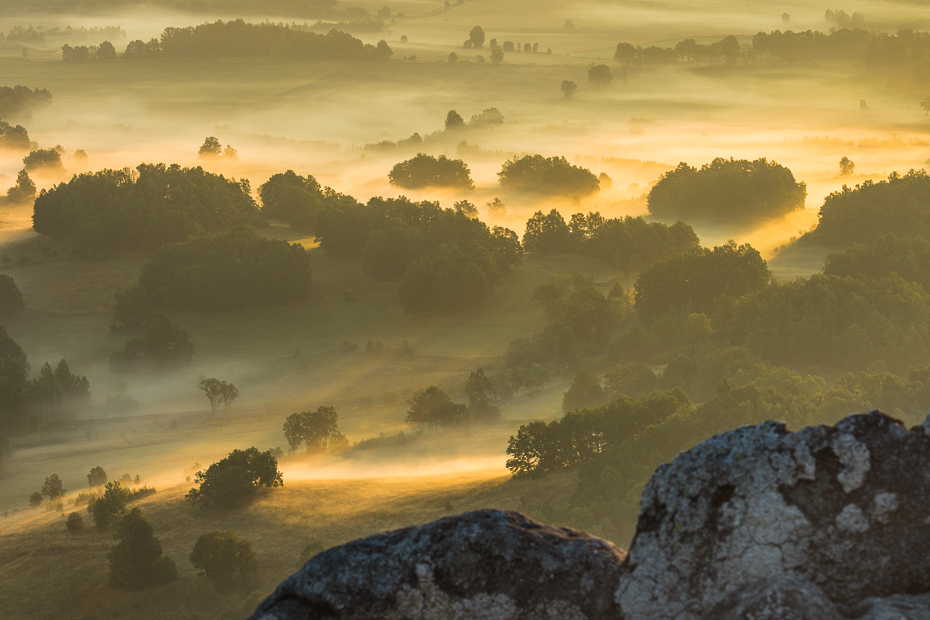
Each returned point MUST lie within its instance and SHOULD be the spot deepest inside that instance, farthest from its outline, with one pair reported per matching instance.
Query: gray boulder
(488, 564)
(846, 508)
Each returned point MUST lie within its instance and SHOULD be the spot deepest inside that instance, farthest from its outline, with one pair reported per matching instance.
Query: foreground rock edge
(756, 522)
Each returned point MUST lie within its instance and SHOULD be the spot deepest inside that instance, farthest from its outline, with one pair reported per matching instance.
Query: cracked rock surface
(489, 564)
(844, 509)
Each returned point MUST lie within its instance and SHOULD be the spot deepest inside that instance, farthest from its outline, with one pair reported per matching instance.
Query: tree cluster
(702, 279)
(15, 137)
(292, 198)
(319, 430)
(899, 205)
(734, 190)
(431, 409)
(445, 260)
(238, 39)
(218, 391)
(547, 175)
(228, 271)
(84, 53)
(235, 479)
(145, 208)
(428, 171)
(628, 243)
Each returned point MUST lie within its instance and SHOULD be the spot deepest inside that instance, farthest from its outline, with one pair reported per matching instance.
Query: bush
(553, 175)
(142, 209)
(734, 191)
(427, 171)
(235, 479)
(225, 559)
(75, 523)
(11, 300)
(136, 561)
(229, 271)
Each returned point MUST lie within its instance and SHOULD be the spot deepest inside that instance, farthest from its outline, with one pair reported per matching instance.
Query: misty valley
(275, 276)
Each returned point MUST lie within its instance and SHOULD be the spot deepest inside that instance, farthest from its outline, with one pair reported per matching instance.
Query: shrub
(75, 523)
(225, 559)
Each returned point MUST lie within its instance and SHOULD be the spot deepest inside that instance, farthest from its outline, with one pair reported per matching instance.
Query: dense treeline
(19, 100)
(547, 175)
(617, 446)
(146, 208)
(904, 49)
(734, 190)
(900, 205)
(701, 280)
(227, 271)
(445, 260)
(238, 38)
(627, 243)
(428, 171)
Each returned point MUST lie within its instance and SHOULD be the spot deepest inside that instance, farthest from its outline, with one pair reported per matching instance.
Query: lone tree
(925, 104)
(432, 409)
(136, 560)
(476, 37)
(847, 167)
(568, 88)
(497, 55)
(235, 479)
(53, 487)
(213, 388)
(454, 120)
(97, 477)
(211, 148)
(225, 559)
(228, 394)
(600, 75)
(318, 429)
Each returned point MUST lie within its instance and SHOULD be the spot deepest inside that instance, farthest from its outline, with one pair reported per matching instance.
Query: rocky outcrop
(844, 507)
(485, 564)
(828, 523)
